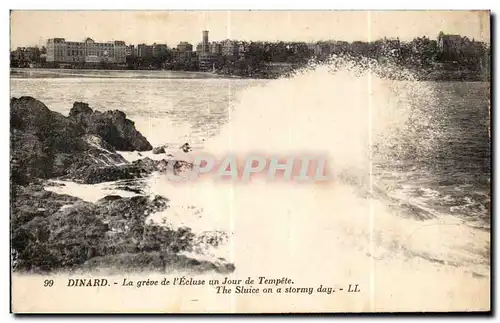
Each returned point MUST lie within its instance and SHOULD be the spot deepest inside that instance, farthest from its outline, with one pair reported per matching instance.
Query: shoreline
(424, 75)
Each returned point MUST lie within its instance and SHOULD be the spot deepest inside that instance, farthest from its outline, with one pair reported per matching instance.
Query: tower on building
(204, 43)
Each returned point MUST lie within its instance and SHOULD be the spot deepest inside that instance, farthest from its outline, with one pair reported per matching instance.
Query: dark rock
(80, 112)
(186, 148)
(112, 233)
(155, 261)
(42, 142)
(96, 174)
(112, 126)
(28, 202)
(93, 174)
(181, 166)
(51, 231)
(159, 150)
(130, 189)
(128, 262)
(108, 198)
(147, 164)
(45, 144)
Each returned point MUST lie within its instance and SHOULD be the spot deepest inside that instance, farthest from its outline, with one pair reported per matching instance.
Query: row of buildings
(60, 50)
(206, 53)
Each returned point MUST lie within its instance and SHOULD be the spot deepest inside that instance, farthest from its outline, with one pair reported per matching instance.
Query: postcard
(250, 161)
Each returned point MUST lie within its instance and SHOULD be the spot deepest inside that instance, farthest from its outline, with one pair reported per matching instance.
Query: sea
(407, 216)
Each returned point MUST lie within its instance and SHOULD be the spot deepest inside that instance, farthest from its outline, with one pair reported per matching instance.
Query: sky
(29, 28)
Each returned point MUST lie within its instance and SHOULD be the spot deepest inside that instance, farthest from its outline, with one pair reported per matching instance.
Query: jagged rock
(147, 164)
(186, 148)
(155, 262)
(80, 112)
(45, 144)
(51, 231)
(112, 126)
(111, 233)
(93, 174)
(159, 150)
(28, 202)
(96, 174)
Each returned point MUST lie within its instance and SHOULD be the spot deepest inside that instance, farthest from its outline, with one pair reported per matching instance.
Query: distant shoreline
(41, 72)
(429, 74)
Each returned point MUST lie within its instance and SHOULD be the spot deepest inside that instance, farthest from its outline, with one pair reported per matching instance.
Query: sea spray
(347, 229)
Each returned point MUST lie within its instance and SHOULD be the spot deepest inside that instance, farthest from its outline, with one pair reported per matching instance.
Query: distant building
(185, 47)
(204, 43)
(56, 49)
(207, 61)
(159, 50)
(130, 50)
(449, 44)
(229, 48)
(216, 48)
(30, 54)
(144, 51)
(184, 50)
(120, 51)
(61, 51)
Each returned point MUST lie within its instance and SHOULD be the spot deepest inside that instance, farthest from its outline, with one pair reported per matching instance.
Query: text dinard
(180, 281)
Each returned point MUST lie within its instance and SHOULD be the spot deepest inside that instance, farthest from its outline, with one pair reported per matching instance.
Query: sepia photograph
(245, 161)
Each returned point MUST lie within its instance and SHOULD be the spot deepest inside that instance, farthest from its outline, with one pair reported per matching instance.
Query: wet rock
(42, 142)
(186, 148)
(159, 150)
(112, 126)
(52, 231)
(95, 174)
(130, 189)
(127, 262)
(46, 144)
(66, 233)
(147, 164)
(28, 202)
(80, 112)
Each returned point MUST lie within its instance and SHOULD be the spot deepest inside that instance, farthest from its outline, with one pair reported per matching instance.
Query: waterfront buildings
(61, 51)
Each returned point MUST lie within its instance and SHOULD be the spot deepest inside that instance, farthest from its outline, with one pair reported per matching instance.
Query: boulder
(112, 126)
(159, 150)
(43, 142)
(46, 144)
(53, 232)
(186, 147)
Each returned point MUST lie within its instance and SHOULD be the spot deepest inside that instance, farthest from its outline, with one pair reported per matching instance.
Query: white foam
(87, 192)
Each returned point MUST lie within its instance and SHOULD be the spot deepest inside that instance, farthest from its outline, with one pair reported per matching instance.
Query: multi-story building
(207, 61)
(130, 50)
(159, 50)
(144, 50)
(216, 48)
(61, 51)
(120, 50)
(229, 48)
(184, 47)
(56, 48)
(184, 50)
(199, 48)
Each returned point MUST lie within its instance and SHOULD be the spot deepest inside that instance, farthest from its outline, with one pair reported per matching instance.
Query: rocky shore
(57, 232)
